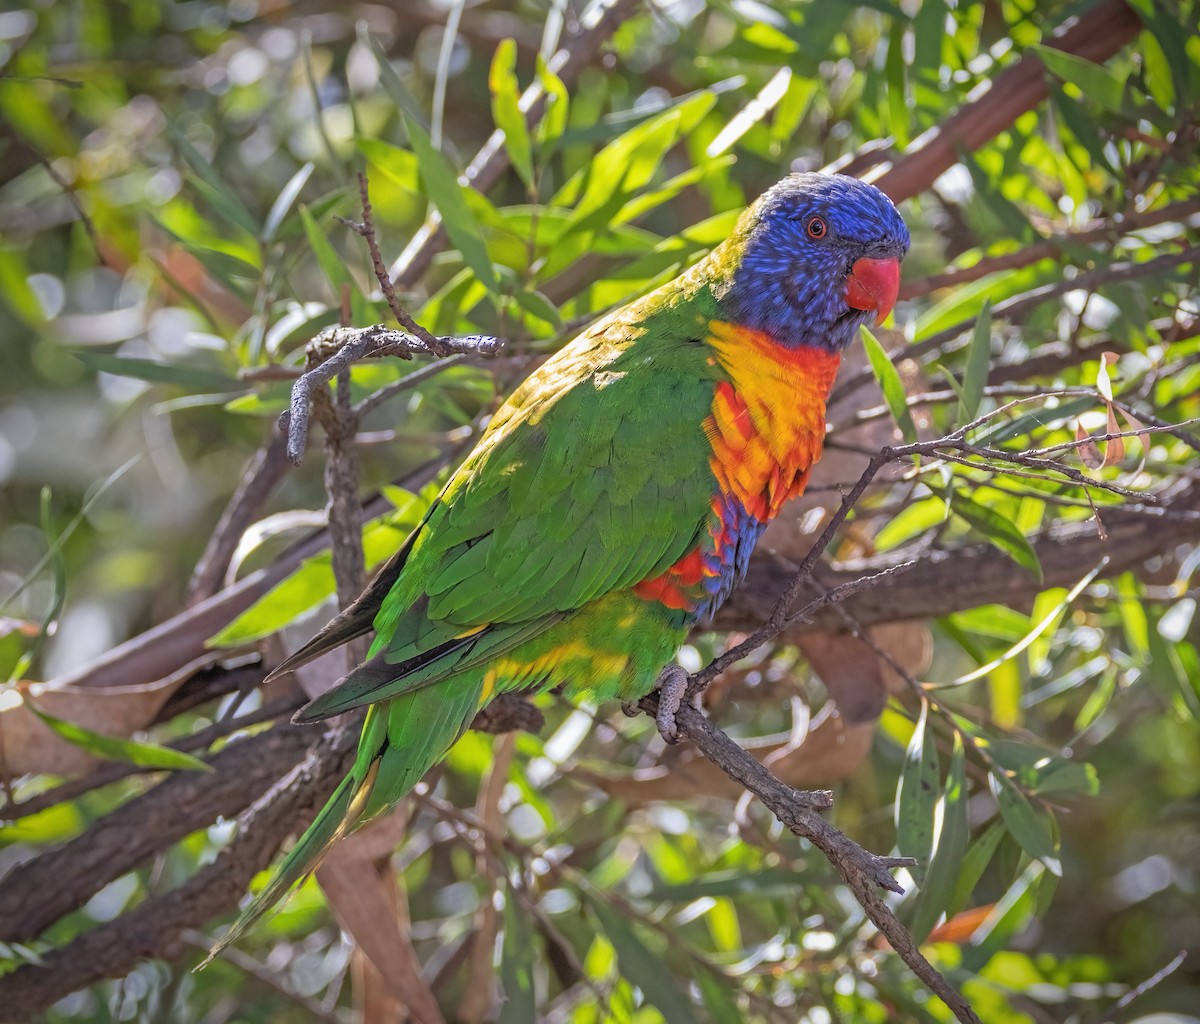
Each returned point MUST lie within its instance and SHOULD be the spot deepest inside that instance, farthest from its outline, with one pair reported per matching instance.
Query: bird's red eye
(816, 228)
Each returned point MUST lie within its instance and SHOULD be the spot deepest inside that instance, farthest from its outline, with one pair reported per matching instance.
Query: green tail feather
(334, 819)
(401, 740)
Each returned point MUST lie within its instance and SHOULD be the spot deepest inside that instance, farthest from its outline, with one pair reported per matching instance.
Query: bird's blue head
(813, 259)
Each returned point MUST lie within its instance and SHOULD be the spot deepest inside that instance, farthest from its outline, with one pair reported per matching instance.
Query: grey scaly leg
(672, 686)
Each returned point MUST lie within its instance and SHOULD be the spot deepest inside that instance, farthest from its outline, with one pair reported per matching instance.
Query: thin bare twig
(780, 613)
(407, 383)
(1139, 990)
(864, 872)
(84, 218)
(366, 230)
(350, 344)
(332, 352)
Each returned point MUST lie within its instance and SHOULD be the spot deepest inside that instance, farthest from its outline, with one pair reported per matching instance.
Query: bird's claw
(672, 687)
(630, 709)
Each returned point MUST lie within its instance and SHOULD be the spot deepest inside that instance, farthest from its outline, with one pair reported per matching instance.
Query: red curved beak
(874, 284)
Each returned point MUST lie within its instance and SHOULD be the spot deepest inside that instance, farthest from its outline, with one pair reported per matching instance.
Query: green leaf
(283, 201)
(444, 191)
(554, 118)
(334, 269)
(1162, 24)
(1051, 617)
(15, 289)
(209, 184)
(311, 583)
(392, 84)
(939, 884)
(224, 203)
(964, 303)
(269, 401)
(917, 795)
(331, 264)
(929, 33)
(516, 966)
(58, 589)
(724, 926)
(910, 521)
(768, 881)
(979, 355)
(160, 373)
(230, 270)
(1084, 127)
(978, 857)
(53, 552)
(891, 385)
(1078, 777)
(791, 110)
(144, 755)
(1007, 214)
(1098, 83)
(400, 165)
(1012, 911)
(629, 162)
(640, 966)
(644, 202)
(718, 997)
(998, 530)
(1157, 71)
(535, 303)
(894, 68)
(506, 109)
(1026, 825)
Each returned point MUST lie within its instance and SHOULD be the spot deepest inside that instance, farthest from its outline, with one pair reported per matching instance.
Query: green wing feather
(587, 481)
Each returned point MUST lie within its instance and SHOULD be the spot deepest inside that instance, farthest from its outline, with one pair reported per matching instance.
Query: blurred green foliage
(171, 175)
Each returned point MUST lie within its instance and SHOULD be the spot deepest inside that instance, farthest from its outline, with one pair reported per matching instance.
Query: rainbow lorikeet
(613, 500)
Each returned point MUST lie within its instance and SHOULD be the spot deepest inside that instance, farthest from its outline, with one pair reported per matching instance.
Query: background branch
(157, 926)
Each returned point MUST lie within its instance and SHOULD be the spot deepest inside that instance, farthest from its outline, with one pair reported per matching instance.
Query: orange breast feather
(767, 424)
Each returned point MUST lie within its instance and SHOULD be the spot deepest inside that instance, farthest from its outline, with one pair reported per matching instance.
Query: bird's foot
(672, 688)
(630, 709)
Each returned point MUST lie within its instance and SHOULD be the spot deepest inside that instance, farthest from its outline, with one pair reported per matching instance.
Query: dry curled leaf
(1088, 453)
(1114, 450)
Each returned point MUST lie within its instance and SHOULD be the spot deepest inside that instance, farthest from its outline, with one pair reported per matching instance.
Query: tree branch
(943, 581)
(35, 894)
(1050, 248)
(1095, 35)
(864, 872)
(157, 926)
(262, 475)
